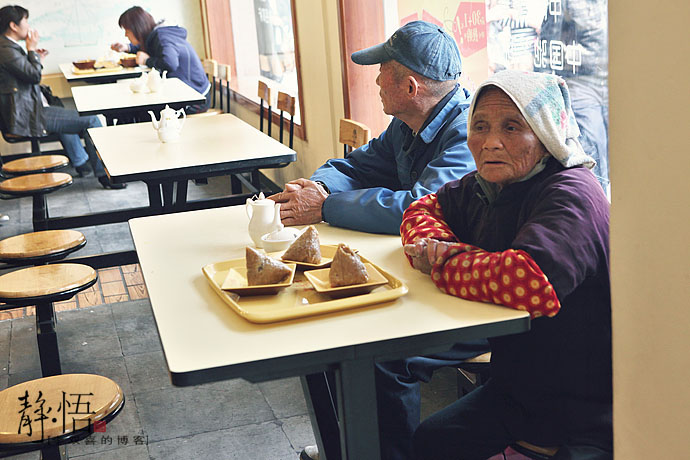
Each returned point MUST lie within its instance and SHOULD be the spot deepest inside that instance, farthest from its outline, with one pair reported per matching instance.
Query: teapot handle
(247, 207)
(184, 117)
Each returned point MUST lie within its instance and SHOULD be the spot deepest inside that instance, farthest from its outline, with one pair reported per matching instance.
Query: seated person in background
(529, 230)
(165, 48)
(24, 109)
(424, 147)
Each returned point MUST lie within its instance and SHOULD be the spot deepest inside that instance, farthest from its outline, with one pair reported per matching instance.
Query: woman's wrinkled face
(504, 147)
(130, 36)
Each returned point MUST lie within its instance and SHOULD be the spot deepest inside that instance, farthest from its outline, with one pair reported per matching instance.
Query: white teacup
(279, 240)
(136, 86)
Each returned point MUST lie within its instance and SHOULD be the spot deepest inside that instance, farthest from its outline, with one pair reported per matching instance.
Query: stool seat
(40, 246)
(71, 403)
(35, 183)
(36, 164)
(45, 282)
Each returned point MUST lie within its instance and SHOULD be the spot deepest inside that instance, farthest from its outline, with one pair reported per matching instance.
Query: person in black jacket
(24, 109)
(164, 48)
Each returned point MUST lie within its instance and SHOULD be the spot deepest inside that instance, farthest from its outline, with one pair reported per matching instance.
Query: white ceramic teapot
(264, 217)
(138, 84)
(155, 81)
(170, 124)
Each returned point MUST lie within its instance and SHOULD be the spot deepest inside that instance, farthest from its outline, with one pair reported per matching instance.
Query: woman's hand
(119, 47)
(142, 57)
(425, 251)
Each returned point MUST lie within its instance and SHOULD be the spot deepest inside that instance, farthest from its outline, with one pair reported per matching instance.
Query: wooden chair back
(286, 104)
(211, 70)
(264, 94)
(353, 135)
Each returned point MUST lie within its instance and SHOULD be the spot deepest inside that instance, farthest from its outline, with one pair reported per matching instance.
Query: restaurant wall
(650, 252)
(319, 51)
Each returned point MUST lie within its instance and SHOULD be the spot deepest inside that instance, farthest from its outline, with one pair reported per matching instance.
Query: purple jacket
(561, 368)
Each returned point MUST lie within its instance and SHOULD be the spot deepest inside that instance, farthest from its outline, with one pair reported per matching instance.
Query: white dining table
(73, 75)
(116, 99)
(204, 340)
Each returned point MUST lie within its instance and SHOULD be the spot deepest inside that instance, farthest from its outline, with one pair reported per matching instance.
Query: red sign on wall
(469, 27)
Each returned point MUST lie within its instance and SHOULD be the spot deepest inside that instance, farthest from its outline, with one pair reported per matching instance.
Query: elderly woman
(528, 230)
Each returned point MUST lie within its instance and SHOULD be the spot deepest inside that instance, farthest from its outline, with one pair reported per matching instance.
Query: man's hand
(425, 251)
(300, 203)
(32, 38)
(142, 57)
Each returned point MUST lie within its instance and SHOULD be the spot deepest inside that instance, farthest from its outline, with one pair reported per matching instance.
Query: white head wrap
(544, 101)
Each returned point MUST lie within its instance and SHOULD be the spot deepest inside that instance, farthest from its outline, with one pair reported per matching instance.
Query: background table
(204, 340)
(116, 99)
(101, 77)
(208, 146)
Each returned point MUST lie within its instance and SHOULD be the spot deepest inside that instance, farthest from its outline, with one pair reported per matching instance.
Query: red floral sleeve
(511, 277)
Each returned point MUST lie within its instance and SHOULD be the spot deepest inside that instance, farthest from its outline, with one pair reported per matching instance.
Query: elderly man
(424, 147)
(528, 230)
(24, 109)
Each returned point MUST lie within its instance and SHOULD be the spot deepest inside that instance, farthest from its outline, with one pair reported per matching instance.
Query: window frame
(219, 43)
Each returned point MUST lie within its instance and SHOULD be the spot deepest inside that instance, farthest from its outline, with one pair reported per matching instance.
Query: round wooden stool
(38, 248)
(48, 412)
(37, 164)
(41, 286)
(36, 186)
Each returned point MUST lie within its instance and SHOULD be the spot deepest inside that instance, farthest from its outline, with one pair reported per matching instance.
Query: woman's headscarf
(544, 101)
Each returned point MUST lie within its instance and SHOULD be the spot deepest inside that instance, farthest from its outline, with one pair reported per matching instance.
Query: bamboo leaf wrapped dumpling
(306, 248)
(347, 268)
(262, 269)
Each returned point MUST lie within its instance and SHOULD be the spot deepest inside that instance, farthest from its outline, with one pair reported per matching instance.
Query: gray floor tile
(174, 412)
(113, 368)
(265, 441)
(135, 327)
(441, 391)
(4, 381)
(285, 397)
(25, 376)
(131, 452)
(125, 424)
(28, 456)
(115, 237)
(87, 335)
(298, 431)
(148, 371)
(5, 330)
(23, 346)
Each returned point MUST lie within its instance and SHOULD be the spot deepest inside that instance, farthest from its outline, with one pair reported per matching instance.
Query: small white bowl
(279, 240)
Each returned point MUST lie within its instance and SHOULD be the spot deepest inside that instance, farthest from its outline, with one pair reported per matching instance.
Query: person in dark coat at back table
(164, 47)
(25, 110)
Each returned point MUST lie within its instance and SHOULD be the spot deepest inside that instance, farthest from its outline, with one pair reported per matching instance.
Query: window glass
(264, 46)
(565, 37)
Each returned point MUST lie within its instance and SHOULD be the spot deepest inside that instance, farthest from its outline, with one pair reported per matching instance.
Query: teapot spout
(153, 120)
(277, 223)
(165, 74)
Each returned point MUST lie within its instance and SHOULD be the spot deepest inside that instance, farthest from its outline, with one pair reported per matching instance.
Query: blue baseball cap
(418, 45)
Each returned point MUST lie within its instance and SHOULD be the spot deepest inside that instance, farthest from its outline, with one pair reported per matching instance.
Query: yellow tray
(100, 70)
(299, 299)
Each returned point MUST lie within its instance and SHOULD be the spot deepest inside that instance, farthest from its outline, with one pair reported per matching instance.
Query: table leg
(167, 187)
(154, 195)
(359, 428)
(181, 194)
(47, 340)
(319, 395)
